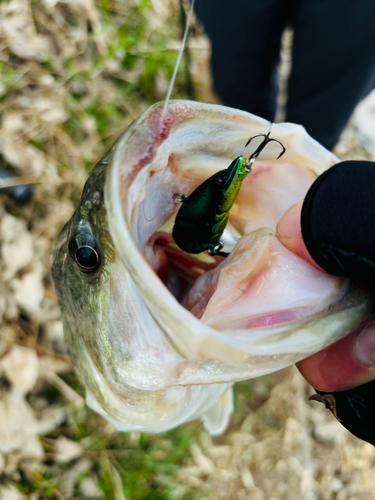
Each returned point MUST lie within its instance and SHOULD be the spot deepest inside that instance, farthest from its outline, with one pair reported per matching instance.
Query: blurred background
(73, 75)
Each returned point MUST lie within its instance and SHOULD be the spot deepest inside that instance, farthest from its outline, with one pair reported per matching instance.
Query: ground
(73, 76)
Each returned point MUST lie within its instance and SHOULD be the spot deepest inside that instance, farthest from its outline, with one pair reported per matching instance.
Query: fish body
(204, 214)
(152, 358)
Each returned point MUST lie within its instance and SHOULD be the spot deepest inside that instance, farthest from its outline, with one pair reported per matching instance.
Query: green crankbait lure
(204, 214)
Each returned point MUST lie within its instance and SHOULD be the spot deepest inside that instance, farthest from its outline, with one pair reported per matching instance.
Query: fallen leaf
(19, 427)
(17, 245)
(29, 289)
(67, 450)
(10, 493)
(21, 368)
(19, 31)
(71, 477)
(90, 489)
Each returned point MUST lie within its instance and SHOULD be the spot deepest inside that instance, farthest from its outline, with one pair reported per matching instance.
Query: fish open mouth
(262, 300)
(261, 283)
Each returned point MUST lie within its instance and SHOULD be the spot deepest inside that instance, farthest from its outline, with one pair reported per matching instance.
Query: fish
(159, 336)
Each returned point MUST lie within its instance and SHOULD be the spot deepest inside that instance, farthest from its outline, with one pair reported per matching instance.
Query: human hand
(350, 361)
(334, 228)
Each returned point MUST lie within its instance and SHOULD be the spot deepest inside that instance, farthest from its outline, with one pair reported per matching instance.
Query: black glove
(338, 228)
(338, 220)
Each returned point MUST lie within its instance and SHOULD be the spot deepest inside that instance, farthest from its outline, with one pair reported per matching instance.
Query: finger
(347, 363)
(289, 233)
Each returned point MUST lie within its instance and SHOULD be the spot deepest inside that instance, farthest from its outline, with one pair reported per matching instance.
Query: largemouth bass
(159, 336)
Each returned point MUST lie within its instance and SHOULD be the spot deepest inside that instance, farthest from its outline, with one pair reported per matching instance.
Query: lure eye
(220, 181)
(86, 255)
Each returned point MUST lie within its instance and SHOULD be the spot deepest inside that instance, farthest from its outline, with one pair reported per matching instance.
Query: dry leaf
(51, 418)
(90, 489)
(17, 26)
(17, 245)
(29, 289)
(10, 493)
(67, 450)
(19, 427)
(71, 477)
(21, 368)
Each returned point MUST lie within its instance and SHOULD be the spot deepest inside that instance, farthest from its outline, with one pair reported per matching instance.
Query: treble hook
(262, 145)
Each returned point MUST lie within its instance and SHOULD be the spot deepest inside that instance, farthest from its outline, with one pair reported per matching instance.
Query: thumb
(289, 233)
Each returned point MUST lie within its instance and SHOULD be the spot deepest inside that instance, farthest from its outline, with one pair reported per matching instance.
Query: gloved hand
(334, 228)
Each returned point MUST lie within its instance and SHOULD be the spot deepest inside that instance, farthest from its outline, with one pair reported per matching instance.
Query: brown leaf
(21, 368)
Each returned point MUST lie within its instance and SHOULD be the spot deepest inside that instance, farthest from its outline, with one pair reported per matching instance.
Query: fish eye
(86, 255)
(219, 181)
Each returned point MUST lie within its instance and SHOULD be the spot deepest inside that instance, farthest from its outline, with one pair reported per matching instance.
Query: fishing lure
(204, 214)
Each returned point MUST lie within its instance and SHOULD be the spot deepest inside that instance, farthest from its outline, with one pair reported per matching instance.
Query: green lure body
(204, 214)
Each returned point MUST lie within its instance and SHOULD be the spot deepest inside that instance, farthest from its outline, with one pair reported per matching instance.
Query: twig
(69, 393)
(26, 179)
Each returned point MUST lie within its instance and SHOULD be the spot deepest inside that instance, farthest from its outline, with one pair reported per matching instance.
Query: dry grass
(73, 76)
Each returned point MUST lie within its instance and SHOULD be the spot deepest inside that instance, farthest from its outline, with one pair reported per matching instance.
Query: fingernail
(365, 345)
(290, 224)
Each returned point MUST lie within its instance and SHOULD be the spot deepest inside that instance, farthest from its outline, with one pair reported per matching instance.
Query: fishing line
(167, 99)
(184, 38)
